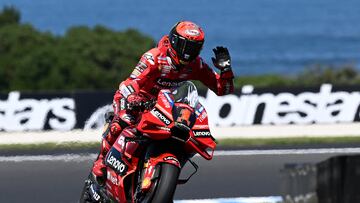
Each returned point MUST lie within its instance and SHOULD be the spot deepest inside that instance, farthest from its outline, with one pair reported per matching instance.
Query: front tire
(85, 196)
(165, 185)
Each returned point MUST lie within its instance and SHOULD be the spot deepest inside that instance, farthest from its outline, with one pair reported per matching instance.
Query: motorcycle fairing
(114, 160)
(165, 99)
(159, 120)
(201, 138)
(177, 115)
(116, 176)
(117, 179)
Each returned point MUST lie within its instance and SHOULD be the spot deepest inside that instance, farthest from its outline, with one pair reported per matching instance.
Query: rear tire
(166, 184)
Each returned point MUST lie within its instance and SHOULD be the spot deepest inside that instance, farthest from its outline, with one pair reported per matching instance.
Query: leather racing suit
(155, 71)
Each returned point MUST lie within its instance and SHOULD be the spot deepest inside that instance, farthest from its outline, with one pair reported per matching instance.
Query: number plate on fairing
(114, 161)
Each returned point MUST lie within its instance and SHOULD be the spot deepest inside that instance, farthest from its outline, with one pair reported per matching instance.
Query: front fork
(149, 176)
(149, 170)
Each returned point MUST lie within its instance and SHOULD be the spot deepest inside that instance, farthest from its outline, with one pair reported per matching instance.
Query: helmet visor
(186, 49)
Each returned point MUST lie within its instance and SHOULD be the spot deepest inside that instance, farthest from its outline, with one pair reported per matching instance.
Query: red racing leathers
(154, 72)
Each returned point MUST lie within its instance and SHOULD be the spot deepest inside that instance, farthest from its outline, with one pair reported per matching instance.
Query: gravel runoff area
(255, 131)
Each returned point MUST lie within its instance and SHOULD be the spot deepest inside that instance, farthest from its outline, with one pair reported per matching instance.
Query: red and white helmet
(186, 41)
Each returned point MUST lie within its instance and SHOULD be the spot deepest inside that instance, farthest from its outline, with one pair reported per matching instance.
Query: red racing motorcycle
(145, 161)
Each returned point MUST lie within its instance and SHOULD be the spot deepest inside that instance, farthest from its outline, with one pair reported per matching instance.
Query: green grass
(238, 142)
(50, 146)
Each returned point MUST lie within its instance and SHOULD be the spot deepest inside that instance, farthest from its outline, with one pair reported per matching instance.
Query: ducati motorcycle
(145, 161)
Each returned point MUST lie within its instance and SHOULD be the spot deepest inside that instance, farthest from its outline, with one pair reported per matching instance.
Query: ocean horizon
(263, 36)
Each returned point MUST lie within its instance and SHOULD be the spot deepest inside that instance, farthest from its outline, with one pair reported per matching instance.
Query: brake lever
(150, 104)
(142, 105)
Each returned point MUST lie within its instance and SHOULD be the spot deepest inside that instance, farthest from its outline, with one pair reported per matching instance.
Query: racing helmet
(186, 41)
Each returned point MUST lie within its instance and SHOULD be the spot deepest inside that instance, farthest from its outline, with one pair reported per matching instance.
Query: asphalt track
(237, 175)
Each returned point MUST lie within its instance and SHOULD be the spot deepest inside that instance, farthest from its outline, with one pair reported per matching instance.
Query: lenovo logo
(115, 163)
(202, 133)
(161, 116)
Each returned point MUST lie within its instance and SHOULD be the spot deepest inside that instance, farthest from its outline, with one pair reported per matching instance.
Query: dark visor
(187, 49)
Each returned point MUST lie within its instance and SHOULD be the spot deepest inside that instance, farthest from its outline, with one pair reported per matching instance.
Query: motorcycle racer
(175, 59)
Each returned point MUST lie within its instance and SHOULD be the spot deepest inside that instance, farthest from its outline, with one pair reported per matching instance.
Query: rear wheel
(164, 186)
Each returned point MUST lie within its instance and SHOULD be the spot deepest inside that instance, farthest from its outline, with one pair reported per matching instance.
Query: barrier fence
(20, 111)
(335, 180)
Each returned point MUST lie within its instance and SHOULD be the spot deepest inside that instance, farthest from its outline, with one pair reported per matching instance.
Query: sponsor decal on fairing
(113, 159)
(168, 98)
(164, 100)
(94, 193)
(202, 133)
(112, 178)
(202, 116)
(156, 112)
(172, 159)
(121, 141)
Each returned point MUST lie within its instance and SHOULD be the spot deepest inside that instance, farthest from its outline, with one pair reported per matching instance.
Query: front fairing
(168, 113)
(158, 125)
(201, 139)
(122, 161)
(157, 122)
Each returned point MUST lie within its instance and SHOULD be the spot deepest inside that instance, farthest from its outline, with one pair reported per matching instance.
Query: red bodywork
(156, 125)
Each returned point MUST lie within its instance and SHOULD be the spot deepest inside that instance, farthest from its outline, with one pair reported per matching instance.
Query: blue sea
(263, 36)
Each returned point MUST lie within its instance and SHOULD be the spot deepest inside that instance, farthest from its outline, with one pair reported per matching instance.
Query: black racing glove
(222, 59)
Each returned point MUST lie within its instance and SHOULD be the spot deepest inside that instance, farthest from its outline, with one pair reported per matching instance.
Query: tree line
(99, 58)
(83, 58)
(314, 75)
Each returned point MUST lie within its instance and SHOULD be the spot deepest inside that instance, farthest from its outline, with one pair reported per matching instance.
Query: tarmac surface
(58, 178)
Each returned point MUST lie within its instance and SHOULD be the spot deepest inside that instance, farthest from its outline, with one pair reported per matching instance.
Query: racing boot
(99, 167)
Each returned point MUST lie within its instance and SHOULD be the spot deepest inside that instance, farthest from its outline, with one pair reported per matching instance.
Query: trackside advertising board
(247, 106)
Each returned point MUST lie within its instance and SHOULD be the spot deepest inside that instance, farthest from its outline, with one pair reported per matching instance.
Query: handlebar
(141, 106)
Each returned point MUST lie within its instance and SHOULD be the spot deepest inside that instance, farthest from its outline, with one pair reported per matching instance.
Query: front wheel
(165, 185)
(85, 196)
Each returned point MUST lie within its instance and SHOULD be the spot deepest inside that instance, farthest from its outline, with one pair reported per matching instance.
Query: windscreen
(186, 93)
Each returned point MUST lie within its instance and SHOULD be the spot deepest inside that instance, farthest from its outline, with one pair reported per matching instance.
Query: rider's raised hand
(222, 59)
